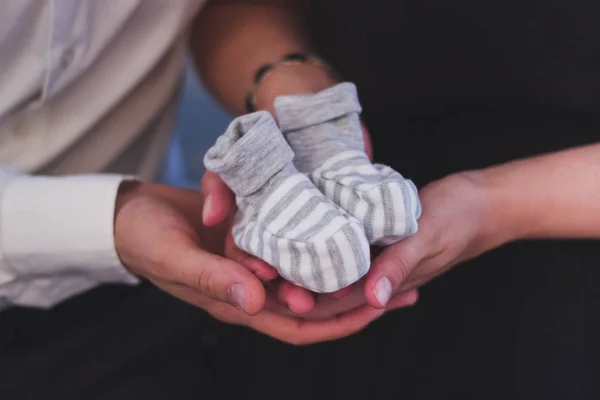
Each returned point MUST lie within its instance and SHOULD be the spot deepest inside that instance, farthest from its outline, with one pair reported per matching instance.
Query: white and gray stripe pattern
(386, 204)
(325, 134)
(310, 241)
(282, 217)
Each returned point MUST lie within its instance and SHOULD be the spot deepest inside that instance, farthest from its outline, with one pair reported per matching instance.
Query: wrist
(503, 220)
(127, 190)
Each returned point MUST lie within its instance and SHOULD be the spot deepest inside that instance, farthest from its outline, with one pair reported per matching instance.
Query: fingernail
(383, 290)
(207, 207)
(237, 292)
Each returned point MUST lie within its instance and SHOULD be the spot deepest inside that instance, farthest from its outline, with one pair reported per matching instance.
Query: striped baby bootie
(282, 217)
(325, 134)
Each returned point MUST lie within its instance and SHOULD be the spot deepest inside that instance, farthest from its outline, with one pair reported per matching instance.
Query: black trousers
(110, 343)
(488, 330)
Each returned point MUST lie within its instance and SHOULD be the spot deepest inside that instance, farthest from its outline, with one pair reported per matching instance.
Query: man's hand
(159, 236)
(287, 328)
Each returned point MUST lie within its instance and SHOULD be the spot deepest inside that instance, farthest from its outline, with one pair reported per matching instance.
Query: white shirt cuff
(65, 225)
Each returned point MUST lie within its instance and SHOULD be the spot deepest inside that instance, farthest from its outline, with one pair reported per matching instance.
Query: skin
(469, 213)
(179, 239)
(232, 39)
(159, 236)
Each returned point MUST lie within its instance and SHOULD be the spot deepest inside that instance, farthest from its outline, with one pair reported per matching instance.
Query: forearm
(550, 196)
(232, 39)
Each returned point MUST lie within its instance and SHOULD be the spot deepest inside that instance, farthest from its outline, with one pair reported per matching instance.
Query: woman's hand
(455, 226)
(469, 213)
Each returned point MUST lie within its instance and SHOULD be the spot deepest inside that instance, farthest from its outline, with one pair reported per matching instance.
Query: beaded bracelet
(266, 70)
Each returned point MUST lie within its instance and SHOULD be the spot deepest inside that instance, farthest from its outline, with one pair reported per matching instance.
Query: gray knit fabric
(325, 134)
(312, 124)
(249, 154)
(282, 217)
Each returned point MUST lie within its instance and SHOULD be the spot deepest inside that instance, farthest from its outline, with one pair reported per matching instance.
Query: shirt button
(67, 58)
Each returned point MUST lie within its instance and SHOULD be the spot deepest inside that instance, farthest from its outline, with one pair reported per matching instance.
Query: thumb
(218, 201)
(217, 277)
(391, 268)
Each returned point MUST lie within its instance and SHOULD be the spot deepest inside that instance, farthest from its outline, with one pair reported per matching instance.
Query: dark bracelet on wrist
(267, 69)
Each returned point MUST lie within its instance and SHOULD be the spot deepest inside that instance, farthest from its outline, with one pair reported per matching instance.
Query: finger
(409, 284)
(218, 202)
(224, 312)
(391, 268)
(405, 299)
(216, 277)
(285, 328)
(328, 306)
(260, 268)
(301, 332)
(274, 305)
(298, 299)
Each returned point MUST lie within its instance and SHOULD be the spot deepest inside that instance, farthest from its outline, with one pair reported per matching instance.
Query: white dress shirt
(86, 86)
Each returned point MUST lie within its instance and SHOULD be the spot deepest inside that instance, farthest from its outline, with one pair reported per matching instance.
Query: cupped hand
(220, 203)
(159, 235)
(453, 228)
(327, 306)
(278, 324)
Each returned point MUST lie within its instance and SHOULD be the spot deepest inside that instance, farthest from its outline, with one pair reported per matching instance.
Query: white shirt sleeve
(56, 237)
